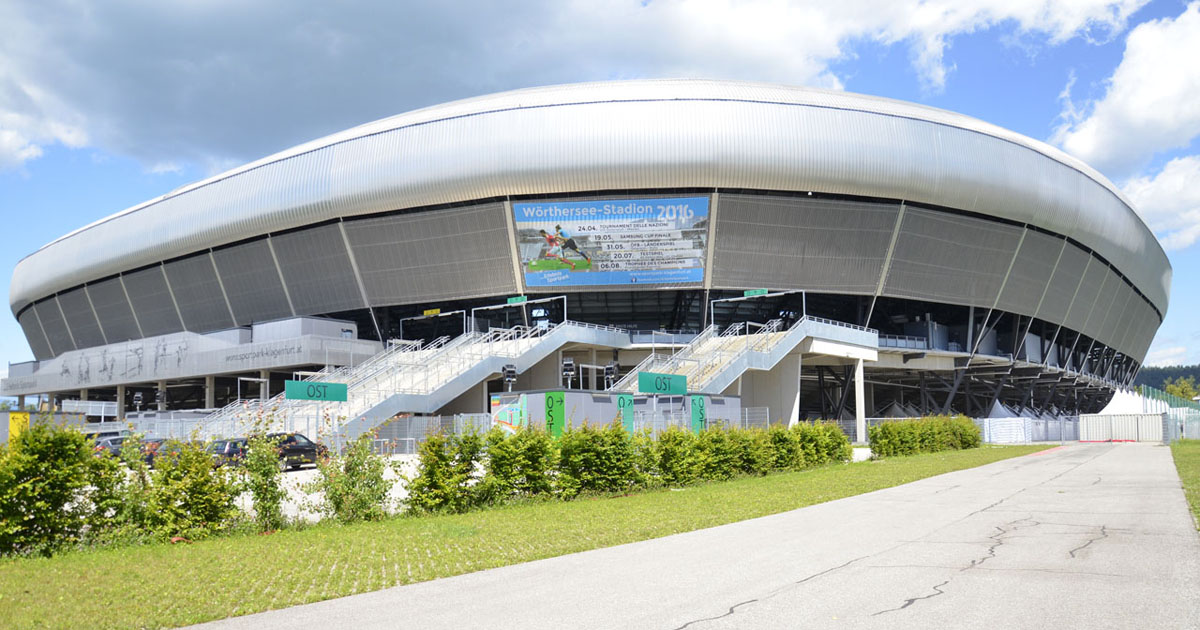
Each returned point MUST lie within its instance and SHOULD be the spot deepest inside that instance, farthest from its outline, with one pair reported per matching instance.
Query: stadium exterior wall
(912, 202)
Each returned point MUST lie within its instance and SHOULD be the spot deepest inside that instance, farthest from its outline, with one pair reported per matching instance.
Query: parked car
(295, 450)
(110, 445)
(228, 452)
(150, 450)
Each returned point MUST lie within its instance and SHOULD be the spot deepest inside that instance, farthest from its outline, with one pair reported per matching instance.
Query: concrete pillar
(161, 405)
(210, 392)
(120, 403)
(592, 383)
(83, 393)
(21, 402)
(789, 389)
(264, 386)
(860, 404)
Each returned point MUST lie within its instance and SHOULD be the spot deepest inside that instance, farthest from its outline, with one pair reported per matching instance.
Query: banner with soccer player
(613, 241)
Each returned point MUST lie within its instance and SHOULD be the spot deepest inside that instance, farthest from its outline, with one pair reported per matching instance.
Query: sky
(106, 104)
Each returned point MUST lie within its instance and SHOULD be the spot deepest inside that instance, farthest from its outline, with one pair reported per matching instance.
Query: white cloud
(210, 82)
(1150, 104)
(1170, 201)
(1170, 355)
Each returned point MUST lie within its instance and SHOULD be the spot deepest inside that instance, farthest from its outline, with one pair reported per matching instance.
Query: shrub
(678, 463)
(753, 448)
(354, 484)
(785, 449)
(822, 443)
(188, 496)
(43, 474)
(595, 460)
(924, 435)
(433, 488)
(446, 479)
(518, 465)
(719, 457)
(262, 481)
(645, 460)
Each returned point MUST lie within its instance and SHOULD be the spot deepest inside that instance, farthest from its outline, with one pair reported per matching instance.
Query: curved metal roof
(622, 135)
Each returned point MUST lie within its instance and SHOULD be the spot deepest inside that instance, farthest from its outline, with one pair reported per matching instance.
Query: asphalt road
(1086, 536)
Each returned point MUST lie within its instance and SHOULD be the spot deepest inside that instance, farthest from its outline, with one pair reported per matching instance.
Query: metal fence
(1004, 430)
(404, 435)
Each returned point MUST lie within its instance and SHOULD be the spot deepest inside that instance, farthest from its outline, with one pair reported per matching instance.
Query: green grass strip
(173, 585)
(1187, 462)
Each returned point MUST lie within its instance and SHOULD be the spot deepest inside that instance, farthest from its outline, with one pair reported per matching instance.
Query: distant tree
(6, 405)
(1183, 387)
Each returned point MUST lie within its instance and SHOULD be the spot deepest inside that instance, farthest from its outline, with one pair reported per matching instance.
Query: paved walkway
(1086, 536)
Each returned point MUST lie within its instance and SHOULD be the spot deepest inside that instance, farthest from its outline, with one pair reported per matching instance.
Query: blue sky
(105, 105)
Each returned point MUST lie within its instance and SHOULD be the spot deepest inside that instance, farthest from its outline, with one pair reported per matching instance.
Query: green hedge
(590, 460)
(923, 435)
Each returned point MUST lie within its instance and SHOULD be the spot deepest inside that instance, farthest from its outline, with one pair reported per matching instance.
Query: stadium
(813, 254)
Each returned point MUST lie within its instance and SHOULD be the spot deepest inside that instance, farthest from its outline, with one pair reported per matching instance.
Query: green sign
(517, 300)
(313, 390)
(555, 413)
(753, 292)
(625, 411)
(652, 383)
(699, 414)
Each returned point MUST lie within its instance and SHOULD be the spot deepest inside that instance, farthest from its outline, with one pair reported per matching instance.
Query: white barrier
(1121, 427)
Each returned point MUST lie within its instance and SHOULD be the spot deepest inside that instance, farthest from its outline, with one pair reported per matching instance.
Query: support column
(789, 385)
(161, 398)
(264, 386)
(210, 392)
(860, 404)
(592, 383)
(120, 403)
(21, 402)
(83, 393)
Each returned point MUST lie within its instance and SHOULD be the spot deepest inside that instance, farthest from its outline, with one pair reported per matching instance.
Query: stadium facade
(989, 268)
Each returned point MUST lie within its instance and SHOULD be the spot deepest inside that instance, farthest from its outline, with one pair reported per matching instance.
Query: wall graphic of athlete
(556, 250)
(567, 242)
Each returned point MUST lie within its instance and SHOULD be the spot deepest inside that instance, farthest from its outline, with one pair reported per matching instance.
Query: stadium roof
(622, 136)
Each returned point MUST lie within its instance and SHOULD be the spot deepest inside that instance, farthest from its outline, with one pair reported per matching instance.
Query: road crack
(937, 588)
(1102, 536)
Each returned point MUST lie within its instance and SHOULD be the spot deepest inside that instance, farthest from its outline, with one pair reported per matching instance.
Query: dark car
(150, 450)
(110, 445)
(228, 452)
(295, 450)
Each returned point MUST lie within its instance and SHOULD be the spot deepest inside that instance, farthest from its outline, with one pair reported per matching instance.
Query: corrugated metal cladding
(623, 136)
(949, 258)
(56, 328)
(1063, 283)
(148, 292)
(198, 293)
(252, 282)
(317, 270)
(33, 332)
(1030, 273)
(1086, 295)
(80, 318)
(443, 254)
(113, 310)
(799, 242)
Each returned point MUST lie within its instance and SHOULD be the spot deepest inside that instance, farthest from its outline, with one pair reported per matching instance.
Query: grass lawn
(165, 585)
(1187, 462)
(551, 264)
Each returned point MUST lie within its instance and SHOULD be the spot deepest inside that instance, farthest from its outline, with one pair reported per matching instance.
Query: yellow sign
(432, 311)
(18, 421)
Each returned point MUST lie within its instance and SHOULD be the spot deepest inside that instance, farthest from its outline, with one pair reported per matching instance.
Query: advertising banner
(613, 241)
